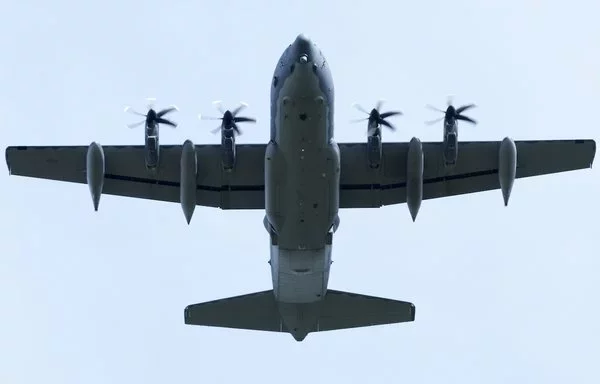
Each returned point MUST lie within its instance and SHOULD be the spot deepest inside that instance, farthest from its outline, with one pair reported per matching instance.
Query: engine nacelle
(507, 167)
(414, 177)
(374, 151)
(95, 172)
(451, 148)
(189, 174)
(152, 152)
(228, 152)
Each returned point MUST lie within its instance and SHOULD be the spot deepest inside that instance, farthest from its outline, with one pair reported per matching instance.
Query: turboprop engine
(95, 172)
(189, 172)
(507, 167)
(375, 121)
(229, 129)
(414, 177)
(451, 117)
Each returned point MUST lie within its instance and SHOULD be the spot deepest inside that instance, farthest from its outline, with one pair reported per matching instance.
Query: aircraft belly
(302, 194)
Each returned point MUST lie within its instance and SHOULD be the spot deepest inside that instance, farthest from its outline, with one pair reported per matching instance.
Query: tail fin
(261, 312)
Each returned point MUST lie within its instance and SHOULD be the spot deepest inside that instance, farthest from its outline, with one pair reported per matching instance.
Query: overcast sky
(503, 294)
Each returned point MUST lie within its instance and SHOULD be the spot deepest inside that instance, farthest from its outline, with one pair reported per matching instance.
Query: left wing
(476, 169)
(126, 173)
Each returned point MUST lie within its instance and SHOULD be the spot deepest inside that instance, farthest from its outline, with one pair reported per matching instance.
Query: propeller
(376, 118)
(230, 119)
(152, 115)
(451, 113)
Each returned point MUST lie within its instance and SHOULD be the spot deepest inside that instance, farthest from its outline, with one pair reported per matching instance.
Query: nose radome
(303, 47)
(302, 39)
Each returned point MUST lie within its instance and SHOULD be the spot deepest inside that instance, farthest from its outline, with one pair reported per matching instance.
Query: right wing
(476, 169)
(126, 173)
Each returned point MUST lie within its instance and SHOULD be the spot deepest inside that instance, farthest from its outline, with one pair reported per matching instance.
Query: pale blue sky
(502, 294)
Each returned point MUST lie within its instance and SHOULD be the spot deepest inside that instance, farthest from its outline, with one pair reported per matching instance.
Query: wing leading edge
(243, 188)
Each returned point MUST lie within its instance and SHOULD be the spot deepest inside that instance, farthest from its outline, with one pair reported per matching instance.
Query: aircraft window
(275, 81)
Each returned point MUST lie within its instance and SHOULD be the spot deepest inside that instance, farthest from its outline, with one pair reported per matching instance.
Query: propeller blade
(239, 109)
(387, 124)
(360, 108)
(431, 122)
(214, 131)
(151, 101)
(236, 129)
(464, 108)
(465, 118)
(449, 100)
(162, 120)
(209, 117)
(379, 104)
(434, 108)
(167, 110)
(388, 114)
(218, 105)
(134, 125)
(244, 120)
(131, 110)
(359, 120)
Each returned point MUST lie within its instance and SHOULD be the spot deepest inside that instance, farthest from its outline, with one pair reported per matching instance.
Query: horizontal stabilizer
(261, 312)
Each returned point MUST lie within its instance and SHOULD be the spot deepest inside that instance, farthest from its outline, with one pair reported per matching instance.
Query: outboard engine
(451, 115)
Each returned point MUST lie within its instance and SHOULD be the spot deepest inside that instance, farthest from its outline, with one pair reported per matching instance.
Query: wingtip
(413, 311)
(7, 161)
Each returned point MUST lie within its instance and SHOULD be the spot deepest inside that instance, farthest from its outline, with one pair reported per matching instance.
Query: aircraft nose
(303, 48)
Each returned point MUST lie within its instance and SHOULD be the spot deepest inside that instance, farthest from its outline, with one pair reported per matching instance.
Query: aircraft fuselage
(302, 171)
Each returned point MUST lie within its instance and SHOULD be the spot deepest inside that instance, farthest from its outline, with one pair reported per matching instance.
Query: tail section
(261, 312)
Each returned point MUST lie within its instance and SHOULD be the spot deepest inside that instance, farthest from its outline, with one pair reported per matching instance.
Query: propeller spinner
(376, 118)
(152, 117)
(230, 119)
(452, 114)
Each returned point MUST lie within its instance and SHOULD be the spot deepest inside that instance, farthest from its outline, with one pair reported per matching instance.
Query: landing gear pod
(507, 167)
(95, 172)
(189, 172)
(414, 177)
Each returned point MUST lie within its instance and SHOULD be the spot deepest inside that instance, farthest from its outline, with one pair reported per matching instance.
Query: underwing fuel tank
(189, 172)
(507, 167)
(414, 177)
(95, 172)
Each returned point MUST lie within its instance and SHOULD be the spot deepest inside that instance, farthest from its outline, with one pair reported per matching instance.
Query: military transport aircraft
(301, 178)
